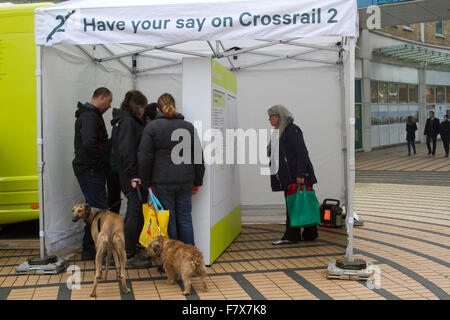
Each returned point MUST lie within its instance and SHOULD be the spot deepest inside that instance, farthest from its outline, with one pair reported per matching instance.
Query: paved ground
(405, 233)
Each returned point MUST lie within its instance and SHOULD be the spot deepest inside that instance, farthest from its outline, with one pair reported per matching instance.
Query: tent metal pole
(118, 60)
(228, 58)
(212, 49)
(308, 45)
(158, 67)
(144, 49)
(195, 54)
(85, 52)
(295, 57)
(40, 149)
(238, 52)
(279, 58)
(134, 70)
(349, 73)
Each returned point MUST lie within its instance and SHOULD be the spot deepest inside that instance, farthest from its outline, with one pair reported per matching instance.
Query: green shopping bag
(303, 208)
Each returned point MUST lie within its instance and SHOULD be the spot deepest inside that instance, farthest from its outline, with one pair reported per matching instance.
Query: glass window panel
(384, 114)
(414, 112)
(374, 91)
(393, 93)
(438, 27)
(403, 113)
(429, 91)
(403, 93)
(383, 92)
(440, 94)
(374, 114)
(358, 90)
(413, 93)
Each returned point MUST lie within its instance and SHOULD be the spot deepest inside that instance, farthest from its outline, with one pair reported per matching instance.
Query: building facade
(401, 71)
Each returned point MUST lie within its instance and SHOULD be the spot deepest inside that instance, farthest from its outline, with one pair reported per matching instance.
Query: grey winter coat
(157, 164)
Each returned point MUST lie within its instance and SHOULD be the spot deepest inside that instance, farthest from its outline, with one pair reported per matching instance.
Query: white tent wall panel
(68, 77)
(313, 96)
(154, 85)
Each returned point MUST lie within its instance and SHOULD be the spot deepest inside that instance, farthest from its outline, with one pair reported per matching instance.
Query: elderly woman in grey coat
(294, 166)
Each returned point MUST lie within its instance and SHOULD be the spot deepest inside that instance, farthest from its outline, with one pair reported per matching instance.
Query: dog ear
(87, 208)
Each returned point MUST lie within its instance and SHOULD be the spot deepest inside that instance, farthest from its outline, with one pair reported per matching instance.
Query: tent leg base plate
(46, 268)
(334, 271)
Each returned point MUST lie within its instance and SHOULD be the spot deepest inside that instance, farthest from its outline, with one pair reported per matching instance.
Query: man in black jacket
(444, 130)
(91, 163)
(431, 131)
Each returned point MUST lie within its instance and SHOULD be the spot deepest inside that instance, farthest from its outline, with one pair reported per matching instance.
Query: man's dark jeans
(177, 197)
(93, 185)
(429, 139)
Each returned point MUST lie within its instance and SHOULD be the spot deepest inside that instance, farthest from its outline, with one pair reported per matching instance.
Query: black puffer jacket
(294, 160)
(91, 140)
(126, 135)
(154, 156)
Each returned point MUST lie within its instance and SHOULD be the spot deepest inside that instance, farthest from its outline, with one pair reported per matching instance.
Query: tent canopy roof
(161, 32)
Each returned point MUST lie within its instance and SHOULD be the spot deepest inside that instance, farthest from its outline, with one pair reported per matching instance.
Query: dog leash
(152, 199)
(121, 199)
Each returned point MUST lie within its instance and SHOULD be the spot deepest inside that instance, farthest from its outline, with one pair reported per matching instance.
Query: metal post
(40, 149)
(349, 268)
(134, 70)
(349, 78)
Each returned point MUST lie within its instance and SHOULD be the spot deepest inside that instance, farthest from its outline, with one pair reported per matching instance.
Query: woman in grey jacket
(174, 172)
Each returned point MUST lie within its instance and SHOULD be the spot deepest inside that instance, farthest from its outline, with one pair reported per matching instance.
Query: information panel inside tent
(225, 202)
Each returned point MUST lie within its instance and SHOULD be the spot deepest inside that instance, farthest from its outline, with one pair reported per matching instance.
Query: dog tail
(197, 260)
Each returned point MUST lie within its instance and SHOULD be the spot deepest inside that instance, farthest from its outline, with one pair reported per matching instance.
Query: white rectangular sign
(158, 21)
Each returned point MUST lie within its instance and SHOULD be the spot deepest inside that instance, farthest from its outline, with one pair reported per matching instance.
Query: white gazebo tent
(149, 44)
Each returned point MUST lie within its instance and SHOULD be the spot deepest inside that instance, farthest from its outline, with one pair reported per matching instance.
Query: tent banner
(158, 21)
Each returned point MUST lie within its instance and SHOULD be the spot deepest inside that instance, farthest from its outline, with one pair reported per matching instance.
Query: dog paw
(93, 295)
(186, 293)
(126, 291)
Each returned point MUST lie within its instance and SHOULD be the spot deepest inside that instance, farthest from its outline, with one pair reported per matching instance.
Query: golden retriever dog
(178, 259)
(107, 233)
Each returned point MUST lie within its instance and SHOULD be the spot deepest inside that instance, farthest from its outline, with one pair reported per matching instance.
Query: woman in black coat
(126, 135)
(174, 175)
(294, 166)
(411, 129)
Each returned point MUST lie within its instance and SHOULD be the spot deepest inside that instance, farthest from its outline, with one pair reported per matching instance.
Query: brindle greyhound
(107, 233)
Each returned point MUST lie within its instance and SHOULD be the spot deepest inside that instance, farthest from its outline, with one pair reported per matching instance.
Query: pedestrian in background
(444, 131)
(431, 131)
(411, 129)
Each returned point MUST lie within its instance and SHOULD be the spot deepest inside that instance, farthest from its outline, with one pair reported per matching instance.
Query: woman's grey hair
(284, 114)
